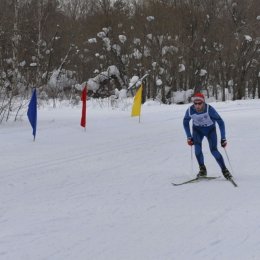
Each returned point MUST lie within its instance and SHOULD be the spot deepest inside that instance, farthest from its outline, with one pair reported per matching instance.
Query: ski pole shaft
(191, 156)
(228, 160)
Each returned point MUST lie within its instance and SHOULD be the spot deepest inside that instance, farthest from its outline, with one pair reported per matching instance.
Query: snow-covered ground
(106, 193)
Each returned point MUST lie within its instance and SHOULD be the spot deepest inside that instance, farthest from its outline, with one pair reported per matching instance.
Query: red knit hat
(198, 96)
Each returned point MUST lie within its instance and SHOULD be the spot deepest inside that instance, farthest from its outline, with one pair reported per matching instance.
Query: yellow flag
(136, 109)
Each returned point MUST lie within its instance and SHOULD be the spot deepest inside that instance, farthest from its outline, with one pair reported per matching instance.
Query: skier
(204, 118)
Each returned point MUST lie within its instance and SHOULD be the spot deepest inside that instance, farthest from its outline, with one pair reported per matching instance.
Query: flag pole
(136, 108)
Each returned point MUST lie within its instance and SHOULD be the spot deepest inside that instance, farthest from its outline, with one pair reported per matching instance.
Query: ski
(195, 180)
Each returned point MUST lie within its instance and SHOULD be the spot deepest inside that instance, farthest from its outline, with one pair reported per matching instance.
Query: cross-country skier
(204, 118)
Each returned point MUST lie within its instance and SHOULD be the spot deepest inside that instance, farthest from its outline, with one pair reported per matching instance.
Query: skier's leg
(212, 139)
(197, 138)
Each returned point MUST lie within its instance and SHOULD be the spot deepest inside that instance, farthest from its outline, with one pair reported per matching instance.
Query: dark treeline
(184, 44)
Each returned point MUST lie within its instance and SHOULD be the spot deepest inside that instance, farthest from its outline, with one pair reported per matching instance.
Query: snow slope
(106, 193)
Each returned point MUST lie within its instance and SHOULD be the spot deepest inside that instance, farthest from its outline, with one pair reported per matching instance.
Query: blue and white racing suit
(204, 124)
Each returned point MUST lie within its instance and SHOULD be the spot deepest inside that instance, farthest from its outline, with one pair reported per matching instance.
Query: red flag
(84, 107)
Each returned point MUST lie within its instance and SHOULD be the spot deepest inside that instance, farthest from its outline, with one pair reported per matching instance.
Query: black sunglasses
(198, 103)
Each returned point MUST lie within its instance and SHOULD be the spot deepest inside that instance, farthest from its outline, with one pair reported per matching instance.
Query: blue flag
(32, 112)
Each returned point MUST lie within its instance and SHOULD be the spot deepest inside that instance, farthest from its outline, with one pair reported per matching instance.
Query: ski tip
(176, 184)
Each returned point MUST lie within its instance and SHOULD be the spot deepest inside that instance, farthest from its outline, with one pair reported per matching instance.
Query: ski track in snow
(106, 193)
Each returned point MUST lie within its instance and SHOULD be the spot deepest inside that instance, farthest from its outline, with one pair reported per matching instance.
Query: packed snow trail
(106, 193)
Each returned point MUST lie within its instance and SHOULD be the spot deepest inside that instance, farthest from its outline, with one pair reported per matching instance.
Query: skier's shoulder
(190, 111)
(211, 109)
(213, 113)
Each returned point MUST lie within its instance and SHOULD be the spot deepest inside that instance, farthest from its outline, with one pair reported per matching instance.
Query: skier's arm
(186, 124)
(215, 116)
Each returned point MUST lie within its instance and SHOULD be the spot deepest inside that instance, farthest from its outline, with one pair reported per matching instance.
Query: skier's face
(199, 106)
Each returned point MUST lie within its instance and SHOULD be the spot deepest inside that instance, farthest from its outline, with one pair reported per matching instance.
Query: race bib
(202, 119)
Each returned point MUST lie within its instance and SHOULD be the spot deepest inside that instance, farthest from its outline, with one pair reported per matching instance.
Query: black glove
(190, 141)
(223, 143)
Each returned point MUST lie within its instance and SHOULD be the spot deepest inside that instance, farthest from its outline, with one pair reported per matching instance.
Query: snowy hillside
(106, 194)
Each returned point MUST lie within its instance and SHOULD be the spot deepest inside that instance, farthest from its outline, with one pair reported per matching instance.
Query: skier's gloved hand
(190, 141)
(223, 143)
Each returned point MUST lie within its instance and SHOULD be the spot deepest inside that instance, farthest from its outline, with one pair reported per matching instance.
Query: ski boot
(227, 174)
(202, 172)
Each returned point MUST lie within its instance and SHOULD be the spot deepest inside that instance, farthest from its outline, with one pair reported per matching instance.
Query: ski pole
(231, 179)
(191, 156)
(228, 160)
